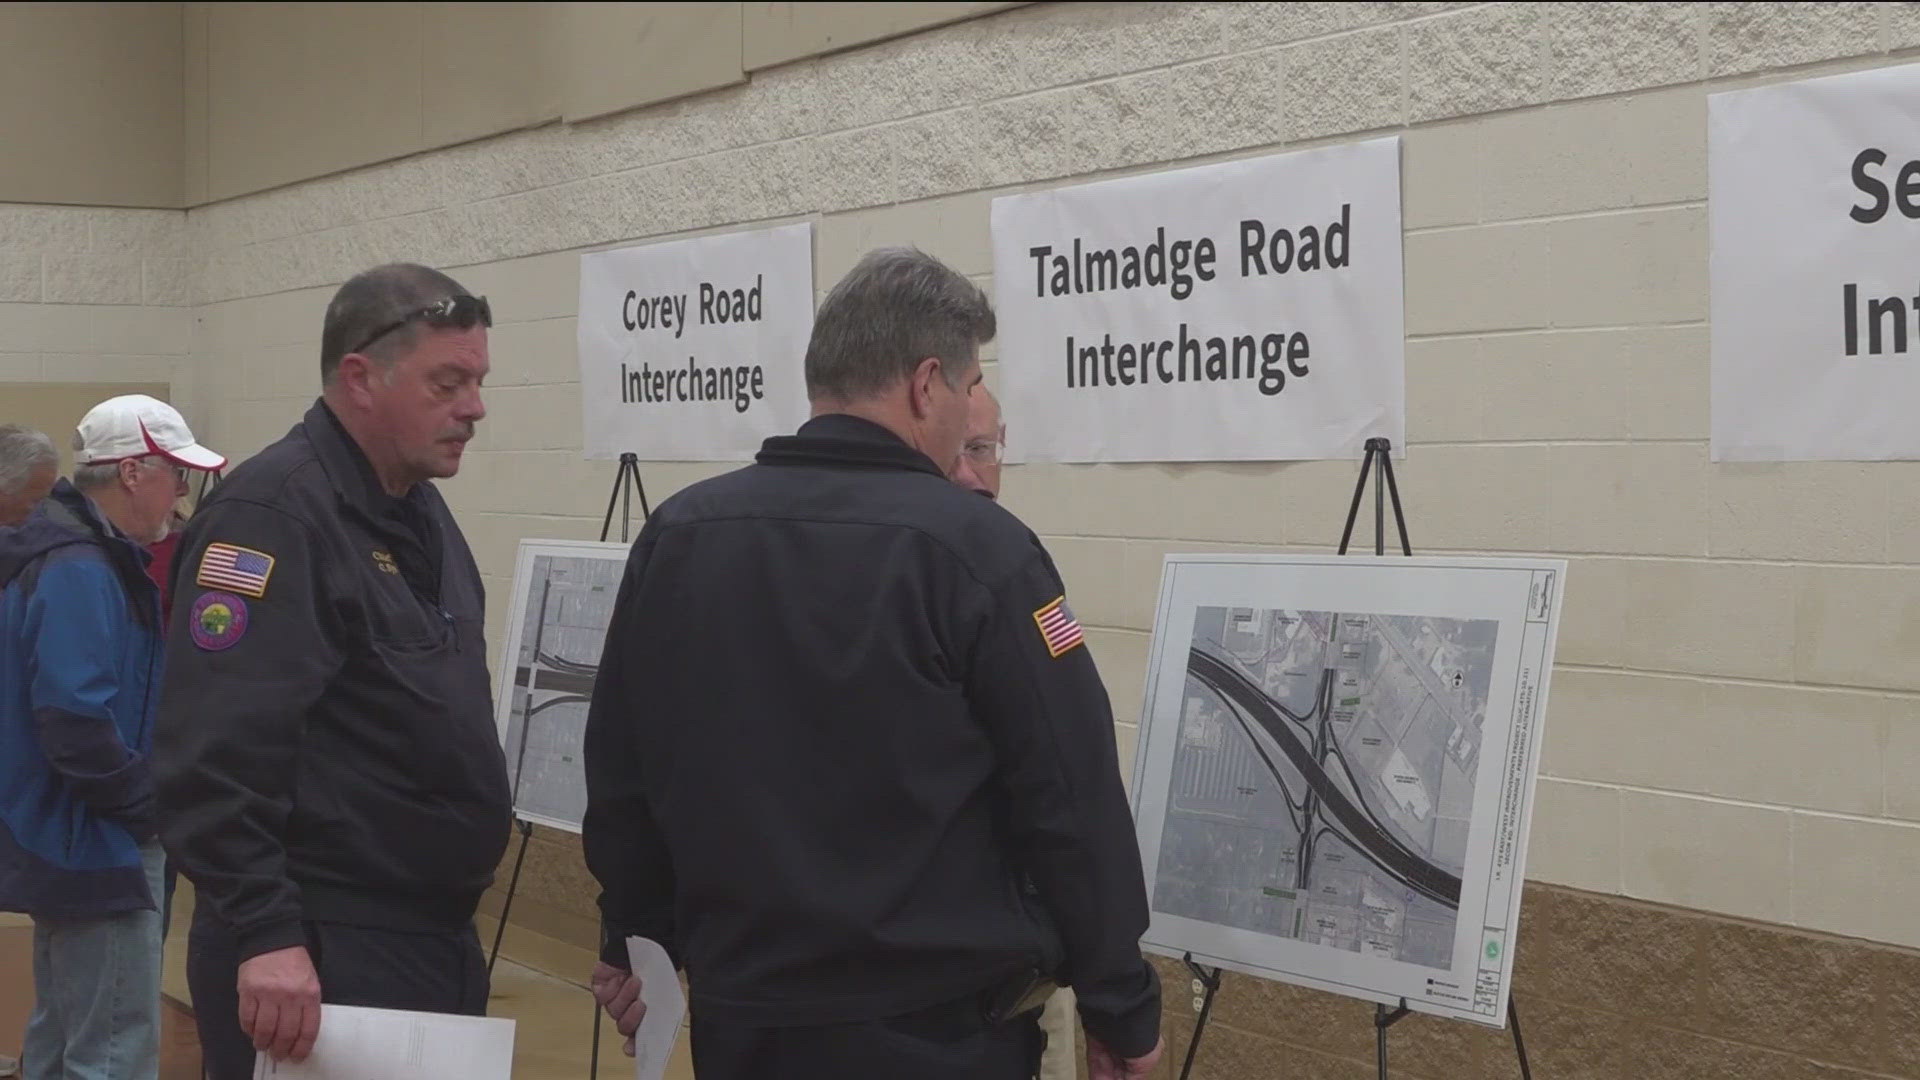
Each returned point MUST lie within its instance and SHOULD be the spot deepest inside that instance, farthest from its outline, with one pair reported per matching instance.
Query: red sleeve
(161, 571)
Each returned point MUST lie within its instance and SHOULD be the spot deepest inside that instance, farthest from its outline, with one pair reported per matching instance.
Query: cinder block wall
(1732, 729)
(95, 294)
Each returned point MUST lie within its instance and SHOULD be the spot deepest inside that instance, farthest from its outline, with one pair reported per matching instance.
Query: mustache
(462, 432)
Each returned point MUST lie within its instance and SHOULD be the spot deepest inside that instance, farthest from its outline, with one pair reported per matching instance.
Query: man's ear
(920, 387)
(355, 377)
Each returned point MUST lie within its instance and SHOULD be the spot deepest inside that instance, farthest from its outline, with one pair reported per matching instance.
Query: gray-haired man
(844, 712)
(28, 466)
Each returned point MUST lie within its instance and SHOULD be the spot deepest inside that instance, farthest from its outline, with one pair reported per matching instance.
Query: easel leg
(1519, 1044)
(1210, 980)
(1393, 492)
(1380, 456)
(595, 1074)
(1382, 1020)
(506, 906)
(1359, 489)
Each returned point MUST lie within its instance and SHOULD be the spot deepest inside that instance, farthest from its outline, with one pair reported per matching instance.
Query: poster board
(563, 595)
(1335, 773)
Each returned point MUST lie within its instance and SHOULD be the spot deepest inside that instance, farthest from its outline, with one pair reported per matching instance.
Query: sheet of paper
(389, 1044)
(666, 1007)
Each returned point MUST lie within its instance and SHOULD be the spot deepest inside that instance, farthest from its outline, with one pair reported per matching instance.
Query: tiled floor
(553, 1036)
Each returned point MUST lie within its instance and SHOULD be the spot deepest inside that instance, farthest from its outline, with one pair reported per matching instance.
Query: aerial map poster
(563, 592)
(1336, 767)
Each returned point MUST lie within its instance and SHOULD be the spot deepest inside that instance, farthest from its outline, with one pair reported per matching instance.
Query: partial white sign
(1245, 311)
(1815, 213)
(692, 350)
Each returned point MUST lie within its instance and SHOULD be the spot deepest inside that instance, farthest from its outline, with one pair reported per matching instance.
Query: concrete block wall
(95, 294)
(1733, 725)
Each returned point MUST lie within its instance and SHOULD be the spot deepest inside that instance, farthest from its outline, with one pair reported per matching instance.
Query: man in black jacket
(844, 718)
(329, 775)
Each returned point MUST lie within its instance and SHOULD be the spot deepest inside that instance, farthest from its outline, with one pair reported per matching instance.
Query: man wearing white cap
(79, 682)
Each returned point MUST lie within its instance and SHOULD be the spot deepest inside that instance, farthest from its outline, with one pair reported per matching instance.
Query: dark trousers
(905, 1048)
(386, 969)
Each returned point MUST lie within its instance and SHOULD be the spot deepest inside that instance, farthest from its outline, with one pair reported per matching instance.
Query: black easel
(506, 905)
(1212, 983)
(1379, 462)
(208, 481)
(626, 483)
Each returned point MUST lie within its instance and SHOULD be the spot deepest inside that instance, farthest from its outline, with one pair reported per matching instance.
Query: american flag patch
(236, 569)
(1058, 628)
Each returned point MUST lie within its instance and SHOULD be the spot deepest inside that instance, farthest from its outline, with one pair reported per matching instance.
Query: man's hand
(618, 991)
(1103, 1064)
(280, 1003)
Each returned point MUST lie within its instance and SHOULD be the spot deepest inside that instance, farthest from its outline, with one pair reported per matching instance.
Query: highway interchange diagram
(1322, 781)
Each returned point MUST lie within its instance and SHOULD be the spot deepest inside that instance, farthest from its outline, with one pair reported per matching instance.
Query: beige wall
(181, 104)
(92, 295)
(1733, 723)
(781, 33)
(279, 93)
(56, 408)
(90, 104)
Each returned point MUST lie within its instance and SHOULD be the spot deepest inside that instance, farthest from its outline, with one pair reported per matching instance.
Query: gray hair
(898, 307)
(23, 452)
(374, 299)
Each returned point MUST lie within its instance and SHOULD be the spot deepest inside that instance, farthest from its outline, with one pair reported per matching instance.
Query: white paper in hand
(359, 1043)
(666, 1007)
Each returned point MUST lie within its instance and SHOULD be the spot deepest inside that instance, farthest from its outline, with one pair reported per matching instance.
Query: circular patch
(219, 620)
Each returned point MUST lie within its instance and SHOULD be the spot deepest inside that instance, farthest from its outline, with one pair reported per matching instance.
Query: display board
(563, 594)
(1336, 766)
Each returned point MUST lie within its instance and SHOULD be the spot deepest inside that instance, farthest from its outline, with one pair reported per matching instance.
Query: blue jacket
(79, 681)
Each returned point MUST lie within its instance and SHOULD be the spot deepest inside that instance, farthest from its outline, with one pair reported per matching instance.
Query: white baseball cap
(136, 425)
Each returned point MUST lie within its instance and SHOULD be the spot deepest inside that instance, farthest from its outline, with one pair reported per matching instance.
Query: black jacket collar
(347, 466)
(838, 439)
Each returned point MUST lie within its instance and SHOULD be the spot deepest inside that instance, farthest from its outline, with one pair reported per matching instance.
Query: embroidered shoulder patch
(235, 569)
(219, 621)
(1059, 630)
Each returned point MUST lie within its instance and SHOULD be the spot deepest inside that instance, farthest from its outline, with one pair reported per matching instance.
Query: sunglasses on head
(459, 312)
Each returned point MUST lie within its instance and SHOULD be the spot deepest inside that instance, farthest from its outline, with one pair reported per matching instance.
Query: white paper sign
(1815, 215)
(1245, 311)
(692, 350)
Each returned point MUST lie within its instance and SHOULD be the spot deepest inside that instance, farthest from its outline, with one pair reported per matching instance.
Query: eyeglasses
(179, 471)
(985, 451)
(459, 312)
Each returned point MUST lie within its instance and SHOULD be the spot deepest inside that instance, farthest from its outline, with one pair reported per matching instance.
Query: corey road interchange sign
(1336, 767)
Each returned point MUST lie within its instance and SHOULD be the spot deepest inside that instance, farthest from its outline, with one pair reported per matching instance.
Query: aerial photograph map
(569, 605)
(1323, 777)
